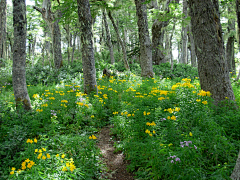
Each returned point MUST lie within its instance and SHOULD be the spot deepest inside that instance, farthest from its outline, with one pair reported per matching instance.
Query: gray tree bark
(144, 39)
(230, 46)
(236, 171)
(89, 71)
(74, 46)
(19, 55)
(52, 20)
(120, 41)
(3, 13)
(109, 42)
(207, 34)
(184, 34)
(192, 47)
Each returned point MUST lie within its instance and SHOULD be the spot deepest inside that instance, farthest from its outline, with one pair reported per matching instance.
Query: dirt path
(114, 161)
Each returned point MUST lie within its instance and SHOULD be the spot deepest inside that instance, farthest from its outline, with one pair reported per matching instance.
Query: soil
(115, 162)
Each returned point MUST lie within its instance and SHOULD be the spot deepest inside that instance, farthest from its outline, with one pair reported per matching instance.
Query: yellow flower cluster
(64, 101)
(204, 93)
(151, 124)
(92, 137)
(39, 110)
(149, 132)
(31, 141)
(27, 164)
(170, 110)
(44, 105)
(172, 117)
(146, 113)
(36, 96)
(115, 113)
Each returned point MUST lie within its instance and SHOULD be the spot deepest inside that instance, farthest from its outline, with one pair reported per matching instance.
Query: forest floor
(116, 165)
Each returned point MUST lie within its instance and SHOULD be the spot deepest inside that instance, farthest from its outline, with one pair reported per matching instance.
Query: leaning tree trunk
(144, 39)
(109, 42)
(3, 12)
(184, 34)
(52, 20)
(19, 55)
(89, 71)
(120, 40)
(212, 67)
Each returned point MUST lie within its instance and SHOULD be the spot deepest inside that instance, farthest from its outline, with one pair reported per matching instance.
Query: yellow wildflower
(204, 102)
(64, 169)
(48, 156)
(35, 140)
(190, 134)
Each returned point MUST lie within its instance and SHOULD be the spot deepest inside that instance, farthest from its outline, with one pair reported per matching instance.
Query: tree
(109, 42)
(207, 34)
(144, 39)
(184, 34)
(52, 19)
(120, 41)
(19, 55)
(3, 12)
(89, 71)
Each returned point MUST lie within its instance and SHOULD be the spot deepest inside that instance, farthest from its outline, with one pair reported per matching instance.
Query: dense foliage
(175, 130)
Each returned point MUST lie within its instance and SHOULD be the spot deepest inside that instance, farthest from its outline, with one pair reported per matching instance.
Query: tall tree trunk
(109, 42)
(120, 41)
(3, 13)
(212, 67)
(170, 39)
(192, 47)
(144, 39)
(52, 20)
(167, 47)
(74, 46)
(158, 36)
(184, 34)
(68, 36)
(19, 55)
(236, 171)
(89, 71)
(230, 46)
(33, 49)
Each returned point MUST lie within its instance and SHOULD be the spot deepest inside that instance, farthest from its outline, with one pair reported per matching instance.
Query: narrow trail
(115, 161)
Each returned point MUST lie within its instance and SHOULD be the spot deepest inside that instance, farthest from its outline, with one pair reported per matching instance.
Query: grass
(170, 122)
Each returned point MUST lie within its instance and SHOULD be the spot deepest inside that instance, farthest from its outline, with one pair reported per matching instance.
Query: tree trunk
(19, 55)
(167, 47)
(192, 47)
(236, 171)
(52, 20)
(109, 42)
(74, 46)
(207, 34)
(144, 39)
(33, 50)
(120, 41)
(3, 12)
(170, 40)
(158, 37)
(68, 36)
(89, 71)
(230, 46)
(184, 34)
